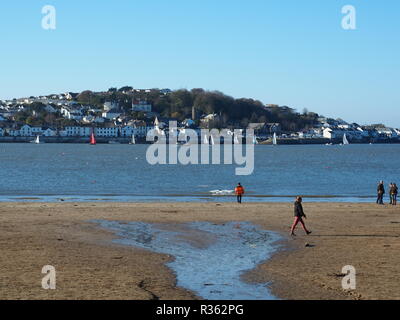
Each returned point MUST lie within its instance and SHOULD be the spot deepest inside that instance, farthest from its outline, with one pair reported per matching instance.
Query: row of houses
(354, 133)
(137, 128)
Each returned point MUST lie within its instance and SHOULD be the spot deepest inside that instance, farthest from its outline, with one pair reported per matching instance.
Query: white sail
(212, 140)
(206, 140)
(274, 140)
(133, 139)
(37, 141)
(345, 141)
(255, 140)
(236, 139)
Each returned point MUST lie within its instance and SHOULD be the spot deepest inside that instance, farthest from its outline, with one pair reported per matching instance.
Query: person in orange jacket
(239, 190)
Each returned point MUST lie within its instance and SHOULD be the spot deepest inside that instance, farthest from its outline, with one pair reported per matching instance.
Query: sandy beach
(90, 266)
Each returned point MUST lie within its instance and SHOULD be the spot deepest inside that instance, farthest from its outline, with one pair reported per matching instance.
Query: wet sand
(90, 266)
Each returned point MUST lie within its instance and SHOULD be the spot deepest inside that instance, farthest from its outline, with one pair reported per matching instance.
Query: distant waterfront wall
(68, 139)
(295, 141)
(126, 140)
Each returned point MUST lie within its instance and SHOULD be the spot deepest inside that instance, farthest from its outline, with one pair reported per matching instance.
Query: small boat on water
(206, 141)
(92, 139)
(36, 141)
(212, 140)
(236, 139)
(113, 142)
(274, 140)
(345, 141)
(133, 141)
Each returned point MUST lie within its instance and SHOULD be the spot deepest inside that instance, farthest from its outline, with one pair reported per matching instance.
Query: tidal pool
(210, 259)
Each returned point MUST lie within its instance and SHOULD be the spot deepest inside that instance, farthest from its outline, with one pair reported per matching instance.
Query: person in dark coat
(298, 216)
(390, 193)
(393, 194)
(381, 192)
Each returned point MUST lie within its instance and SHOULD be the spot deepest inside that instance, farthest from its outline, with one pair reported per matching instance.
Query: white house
(111, 114)
(111, 131)
(388, 132)
(331, 133)
(25, 131)
(311, 133)
(71, 114)
(336, 133)
(210, 117)
(76, 131)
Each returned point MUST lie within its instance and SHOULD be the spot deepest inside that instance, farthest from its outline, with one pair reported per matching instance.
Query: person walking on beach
(381, 192)
(298, 216)
(393, 194)
(239, 191)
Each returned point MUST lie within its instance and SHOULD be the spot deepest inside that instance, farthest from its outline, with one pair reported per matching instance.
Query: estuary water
(77, 172)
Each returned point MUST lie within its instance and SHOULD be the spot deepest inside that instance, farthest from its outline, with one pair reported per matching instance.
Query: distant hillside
(178, 104)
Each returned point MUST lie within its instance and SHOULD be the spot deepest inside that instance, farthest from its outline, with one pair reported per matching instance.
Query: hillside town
(62, 117)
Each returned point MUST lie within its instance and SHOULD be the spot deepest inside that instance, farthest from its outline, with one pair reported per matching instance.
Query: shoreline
(90, 266)
(194, 198)
(142, 141)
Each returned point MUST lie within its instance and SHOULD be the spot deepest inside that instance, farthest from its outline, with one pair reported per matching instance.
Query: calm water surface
(76, 172)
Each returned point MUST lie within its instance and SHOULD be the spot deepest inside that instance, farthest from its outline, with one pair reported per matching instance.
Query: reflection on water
(209, 259)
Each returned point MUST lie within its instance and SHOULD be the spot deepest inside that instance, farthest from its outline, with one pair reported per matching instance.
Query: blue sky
(287, 52)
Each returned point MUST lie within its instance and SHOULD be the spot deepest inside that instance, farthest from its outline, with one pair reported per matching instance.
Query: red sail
(92, 139)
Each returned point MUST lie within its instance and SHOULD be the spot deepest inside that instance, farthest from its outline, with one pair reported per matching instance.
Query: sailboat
(36, 141)
(274, 140)
(345, 141)
(133, 141)
(92, 139)
(206, 141)
(212, 140)
(236, 139)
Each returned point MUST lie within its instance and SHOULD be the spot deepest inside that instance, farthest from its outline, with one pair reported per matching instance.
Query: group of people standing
(393, 191)
(298, 208)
